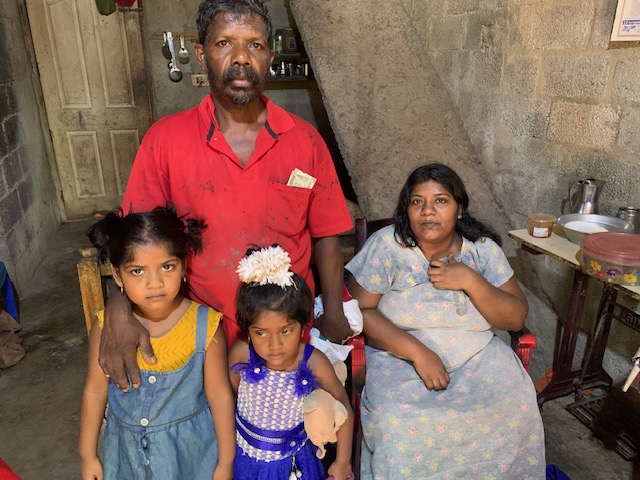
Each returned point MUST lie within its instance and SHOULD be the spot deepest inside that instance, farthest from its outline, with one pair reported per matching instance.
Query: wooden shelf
(188, 36)
(291, 83)
(287, 57)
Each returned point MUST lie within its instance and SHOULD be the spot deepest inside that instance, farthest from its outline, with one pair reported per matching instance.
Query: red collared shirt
(185, 159)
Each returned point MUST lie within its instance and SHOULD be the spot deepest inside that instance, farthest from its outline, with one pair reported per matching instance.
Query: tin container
(612, 257)
(578, 225)
(631, 215)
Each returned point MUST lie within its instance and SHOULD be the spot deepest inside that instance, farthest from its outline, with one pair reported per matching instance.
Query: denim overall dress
(164, 428)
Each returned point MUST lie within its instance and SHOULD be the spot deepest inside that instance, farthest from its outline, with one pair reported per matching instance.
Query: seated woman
(443, 398)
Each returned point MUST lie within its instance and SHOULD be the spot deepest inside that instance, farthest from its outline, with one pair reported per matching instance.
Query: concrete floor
(40, 396)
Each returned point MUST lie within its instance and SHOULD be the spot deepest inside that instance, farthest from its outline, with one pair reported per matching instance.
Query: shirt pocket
(287, 208)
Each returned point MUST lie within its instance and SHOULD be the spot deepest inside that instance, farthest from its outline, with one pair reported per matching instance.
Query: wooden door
(96, 96)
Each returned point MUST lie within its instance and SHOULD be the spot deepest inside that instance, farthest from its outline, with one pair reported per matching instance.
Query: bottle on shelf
(278, 44)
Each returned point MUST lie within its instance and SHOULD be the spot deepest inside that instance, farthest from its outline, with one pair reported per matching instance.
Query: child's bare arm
(222, 403)
(325, 373)
(94, 401)
(239, 353)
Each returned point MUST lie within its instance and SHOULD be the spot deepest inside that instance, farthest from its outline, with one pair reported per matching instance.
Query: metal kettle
(583, 195)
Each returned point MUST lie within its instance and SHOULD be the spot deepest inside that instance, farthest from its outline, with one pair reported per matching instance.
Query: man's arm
(121, 335)
(333, 324)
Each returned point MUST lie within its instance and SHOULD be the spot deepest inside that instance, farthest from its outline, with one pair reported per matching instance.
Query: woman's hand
(431, 370)
(505, 307)
(450, 275)
(91, 469)
(340, 471)
(121, 336)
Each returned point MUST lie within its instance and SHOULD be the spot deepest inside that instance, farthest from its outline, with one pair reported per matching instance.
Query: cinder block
(626, 84)
(8, 103)
(519, 75)
(558, 25)
(12, 130)
(537, 153)
(628, 137)
(605, 13)
(575, 76)
(486, 69)
(26, 193)
(591, 126)
(4, 145)
(11, 170)
(523, 117)
(10, 212)
(18, 243)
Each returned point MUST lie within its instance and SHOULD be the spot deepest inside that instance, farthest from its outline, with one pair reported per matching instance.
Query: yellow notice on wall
(626, 25)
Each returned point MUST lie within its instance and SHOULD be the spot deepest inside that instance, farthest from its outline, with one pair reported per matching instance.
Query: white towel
(333, 351)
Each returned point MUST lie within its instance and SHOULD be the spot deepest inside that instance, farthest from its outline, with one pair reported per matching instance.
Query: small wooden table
(566, 381)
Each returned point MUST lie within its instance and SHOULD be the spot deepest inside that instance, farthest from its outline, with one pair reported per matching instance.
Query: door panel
(96, 96)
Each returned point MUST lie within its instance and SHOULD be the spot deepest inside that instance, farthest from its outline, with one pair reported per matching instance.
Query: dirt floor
(40, 396)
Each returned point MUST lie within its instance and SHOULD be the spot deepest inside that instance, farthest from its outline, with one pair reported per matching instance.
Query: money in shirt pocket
(300, 179)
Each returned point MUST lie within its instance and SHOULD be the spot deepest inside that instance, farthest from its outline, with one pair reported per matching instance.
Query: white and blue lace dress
(271, 441)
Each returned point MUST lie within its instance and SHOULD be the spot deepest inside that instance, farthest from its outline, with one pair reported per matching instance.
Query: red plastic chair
(522, 342)
(6, 473)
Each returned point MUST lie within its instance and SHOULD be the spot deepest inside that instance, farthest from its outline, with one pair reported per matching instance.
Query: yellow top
(174, 349)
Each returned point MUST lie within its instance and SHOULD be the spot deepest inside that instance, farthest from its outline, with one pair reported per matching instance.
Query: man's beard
(238, 96)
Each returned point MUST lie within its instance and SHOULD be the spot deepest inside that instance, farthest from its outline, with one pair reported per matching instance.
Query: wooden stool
(92, 277)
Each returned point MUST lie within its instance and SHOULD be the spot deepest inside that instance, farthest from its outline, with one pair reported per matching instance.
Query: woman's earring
(121, 289)
(184, 279)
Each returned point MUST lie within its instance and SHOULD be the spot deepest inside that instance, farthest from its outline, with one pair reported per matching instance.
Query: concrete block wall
(545, 100)
(520, 70)
(29, 208)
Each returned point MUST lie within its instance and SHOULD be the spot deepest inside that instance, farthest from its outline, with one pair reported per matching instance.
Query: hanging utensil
(175, 75)
(166, 53)
(183, 53)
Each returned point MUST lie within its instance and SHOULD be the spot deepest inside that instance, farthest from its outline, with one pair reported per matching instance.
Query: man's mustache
(240, 71)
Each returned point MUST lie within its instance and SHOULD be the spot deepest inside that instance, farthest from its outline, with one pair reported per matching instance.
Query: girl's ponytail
(191, 228)
(194, 228)
(102, 232)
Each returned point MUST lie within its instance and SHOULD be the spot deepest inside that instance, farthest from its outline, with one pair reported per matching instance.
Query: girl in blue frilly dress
(274, 371)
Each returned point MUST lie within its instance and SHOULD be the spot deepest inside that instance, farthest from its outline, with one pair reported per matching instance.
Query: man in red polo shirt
(257, 174)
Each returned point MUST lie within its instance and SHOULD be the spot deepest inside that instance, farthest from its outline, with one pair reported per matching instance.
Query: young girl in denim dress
(179, 423)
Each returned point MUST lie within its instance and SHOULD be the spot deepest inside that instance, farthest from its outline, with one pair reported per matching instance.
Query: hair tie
(266, 266)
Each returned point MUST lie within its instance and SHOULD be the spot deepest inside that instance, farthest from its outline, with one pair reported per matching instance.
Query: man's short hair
(236, 8)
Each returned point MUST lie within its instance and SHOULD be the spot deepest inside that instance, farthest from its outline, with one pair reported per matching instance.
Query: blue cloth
(6, 287)
(270, 435)
(164, 428)
(554, 473)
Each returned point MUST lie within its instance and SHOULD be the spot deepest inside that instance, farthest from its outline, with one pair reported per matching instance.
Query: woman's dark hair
(294, 302)
(467, 226)
(117, 235)
(209, 9)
